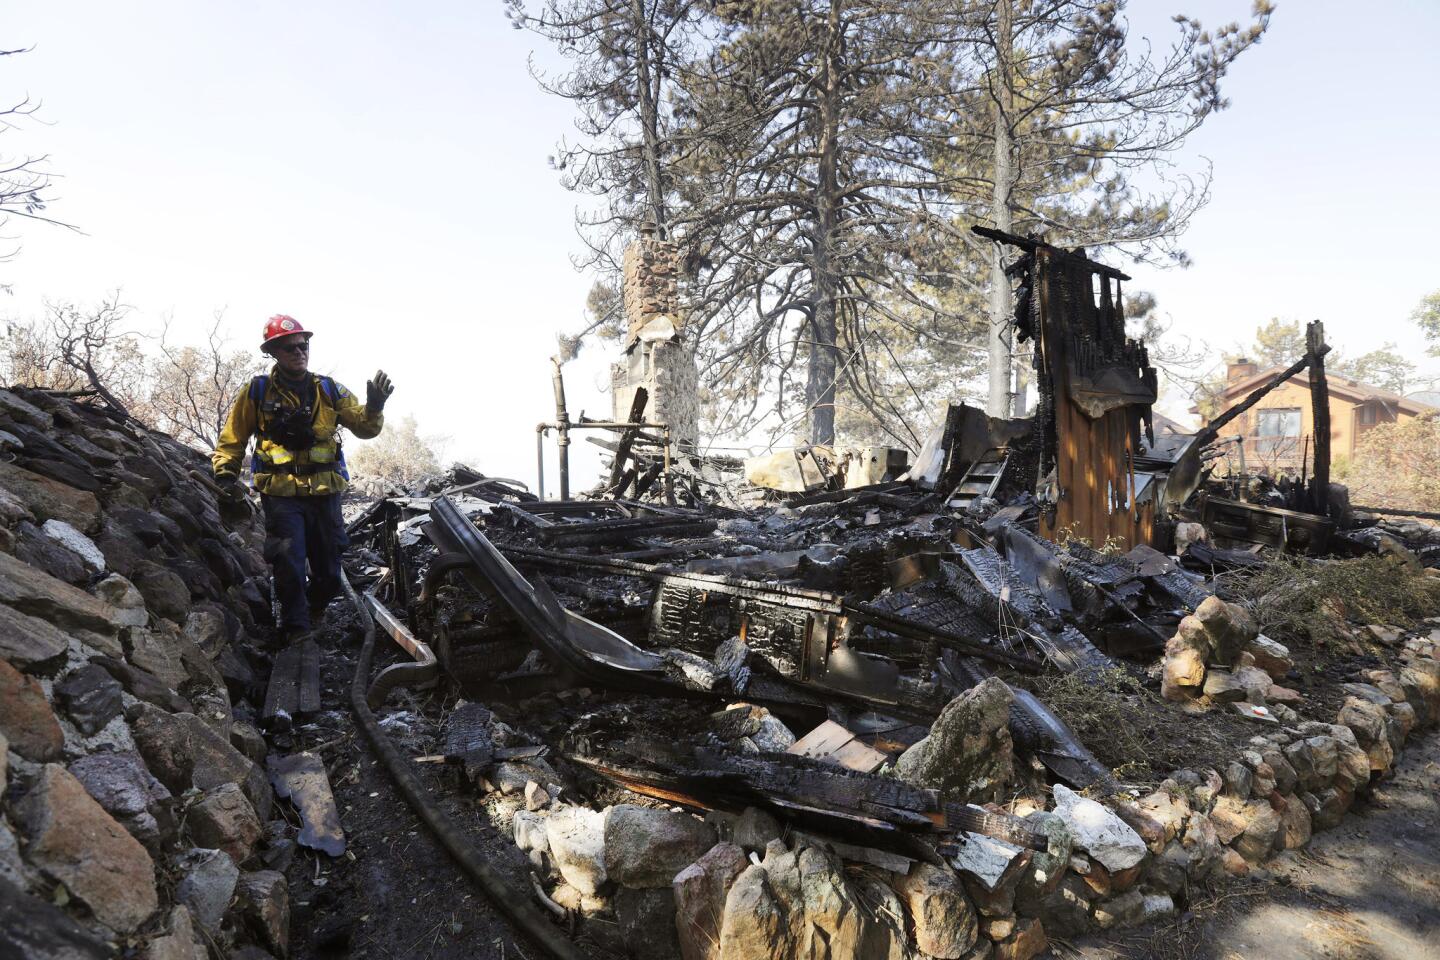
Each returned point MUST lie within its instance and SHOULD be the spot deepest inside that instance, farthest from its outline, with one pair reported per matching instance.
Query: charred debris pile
(1020, 690)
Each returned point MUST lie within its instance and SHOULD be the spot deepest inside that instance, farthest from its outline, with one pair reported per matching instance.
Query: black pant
(298, 529)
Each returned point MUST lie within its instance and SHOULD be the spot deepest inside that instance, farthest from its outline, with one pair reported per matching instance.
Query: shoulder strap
(258, 385)
(331, 390)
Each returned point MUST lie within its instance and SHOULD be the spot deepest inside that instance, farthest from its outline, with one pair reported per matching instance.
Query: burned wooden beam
(627, 439)
(1315, 350)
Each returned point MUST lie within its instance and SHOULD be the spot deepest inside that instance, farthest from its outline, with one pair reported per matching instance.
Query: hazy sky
(378, 170)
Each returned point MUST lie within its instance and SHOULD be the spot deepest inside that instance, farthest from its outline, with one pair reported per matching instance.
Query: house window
(1277, 429)
(1367, 415)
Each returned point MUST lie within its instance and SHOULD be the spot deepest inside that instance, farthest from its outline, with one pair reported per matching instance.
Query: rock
(1157, 906)
(755, 828)
(1368, 722)
(577, 842)
(49, 499)
(700, 893)
(1183, 669)
(121, 784)
(1272, 657)
(26, 719)
(1122, 911)
(943, 919)
(1294, 823)
(74, 840)
(752, 926)
(1257, 841)
(124, 599)
(54, 558)
(181, 942)
(165, 592)
(1399, 723)
(262, 901)
(206, 628)
(1316, 761)
(33, 929)
(76, 542)
(74, 611)
(585, 904)
(1385, 634)
(13, 407)
(1221, 687)
(991, 869)
(1066, 909)
(1284, 774)
(647, 922)
(183, 752)
(1238, 779)
(91, 698)
(207, 883)
(1027, 941)
(144, 686)
(26, 640)
(1255, 682)
(1229, 627)
(645, 847)
(1098, 831)
(1170, 871)
(224, 820)
(1327, 807)
(536, 796)
(833, 922)
(883, 930)
(968, 754)
(772, 736)
(1422, 690)
(249, 741)
(528, 829)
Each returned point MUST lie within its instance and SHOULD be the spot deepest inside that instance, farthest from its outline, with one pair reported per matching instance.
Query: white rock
(985, 859)
(1098, 831)
(1157, 905)
(577, 842)
(530, 831)
(77, 542)
(121, 594)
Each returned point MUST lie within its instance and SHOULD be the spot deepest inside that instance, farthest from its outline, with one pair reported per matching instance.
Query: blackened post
(1320, 414)
(627, 439)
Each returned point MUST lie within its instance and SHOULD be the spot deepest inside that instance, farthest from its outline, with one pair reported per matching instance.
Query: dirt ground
(1367, 890)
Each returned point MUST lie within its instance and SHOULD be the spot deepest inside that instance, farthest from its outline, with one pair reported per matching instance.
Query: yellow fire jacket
(281, 472)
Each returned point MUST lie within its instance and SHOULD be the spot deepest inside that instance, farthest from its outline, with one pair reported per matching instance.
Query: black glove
(377, 391)
(231, 490)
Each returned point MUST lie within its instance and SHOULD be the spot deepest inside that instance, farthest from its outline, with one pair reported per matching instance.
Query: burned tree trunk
(1315, 350)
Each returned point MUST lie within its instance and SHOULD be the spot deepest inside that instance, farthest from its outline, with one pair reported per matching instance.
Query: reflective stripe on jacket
(279, 472)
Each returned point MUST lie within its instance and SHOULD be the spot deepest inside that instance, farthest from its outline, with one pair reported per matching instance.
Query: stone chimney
(657, 355)
(1239, 369)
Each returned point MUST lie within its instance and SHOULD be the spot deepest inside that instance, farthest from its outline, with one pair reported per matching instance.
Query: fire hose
(512, 902)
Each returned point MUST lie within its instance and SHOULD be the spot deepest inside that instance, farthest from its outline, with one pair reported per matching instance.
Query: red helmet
(282, 325)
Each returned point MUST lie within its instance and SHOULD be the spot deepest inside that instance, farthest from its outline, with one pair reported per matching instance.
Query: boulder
(49, 499)
(26, 719)
(1183, 668)
(1098, 831)
(91, 698)
(207, 883)
(74, 840)
(262, 902)
(144, 686)
(207, 629)
(26, 640)
(968, 754)
(1327, 807)
(249, 741)
(577, 842)
(942, 917)
(1221, 687)
(1028, 940)
(1367, 722)
(71, 609)
(645, 847)
(1229, 627)
(1262, 824)
(528, 828)
(180, 942)
(183, 752)
(1120, 911)
(647, 922)
(15, 408)
(1316, 760)
(990, 869)
(833, 922)
(34, 929)
(1420, 680)
(121, 784)
(224, 820)
(165, 593)
(752, 925)
(700, 894)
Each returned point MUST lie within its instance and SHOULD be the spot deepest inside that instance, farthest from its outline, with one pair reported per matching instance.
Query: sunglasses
(301, 347)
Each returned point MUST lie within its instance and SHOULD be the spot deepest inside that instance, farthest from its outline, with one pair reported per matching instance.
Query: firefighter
(298, 467)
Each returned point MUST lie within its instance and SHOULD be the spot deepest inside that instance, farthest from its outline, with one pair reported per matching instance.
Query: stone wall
(135, 807)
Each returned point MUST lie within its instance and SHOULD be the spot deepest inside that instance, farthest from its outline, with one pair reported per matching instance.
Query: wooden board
(832, 743)
(294, 687)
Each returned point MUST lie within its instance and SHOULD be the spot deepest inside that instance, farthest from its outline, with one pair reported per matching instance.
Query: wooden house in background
(1278, 432)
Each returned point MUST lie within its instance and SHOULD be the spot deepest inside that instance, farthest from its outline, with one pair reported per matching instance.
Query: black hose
(514, 903)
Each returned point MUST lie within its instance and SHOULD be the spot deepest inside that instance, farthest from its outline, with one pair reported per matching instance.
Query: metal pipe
(669, 480)
(540, 459)
(562, 428)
